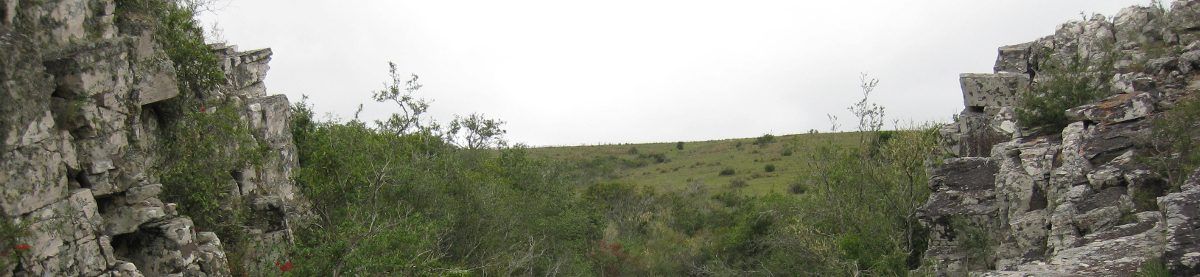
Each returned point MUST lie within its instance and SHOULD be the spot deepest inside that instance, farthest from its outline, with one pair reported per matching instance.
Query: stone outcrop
(1071, 203)
(80, 127)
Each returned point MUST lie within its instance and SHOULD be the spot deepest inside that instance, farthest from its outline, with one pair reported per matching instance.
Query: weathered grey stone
(1025, 241)
(68, 22)
(156, 75)
(972, 135)
(211, 259)
(1106, 176)
(245, 70)
(63, 238)
(123, 269)
(1091, 38)
(34, 174)
(1184, 19)
(1139, 26)
(1116, 109)
(1133, 82)
(963, 190)
(992, 90)
(1013, 58)
(1107, 141)
(1182, 211)
(73, 87)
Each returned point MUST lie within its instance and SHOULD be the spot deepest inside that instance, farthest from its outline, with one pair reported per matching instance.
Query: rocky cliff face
(82, 122)
(1015, 202)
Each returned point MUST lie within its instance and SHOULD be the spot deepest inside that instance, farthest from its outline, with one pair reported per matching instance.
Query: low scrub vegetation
(1064, 83)
(1174, 153)
(416, 203)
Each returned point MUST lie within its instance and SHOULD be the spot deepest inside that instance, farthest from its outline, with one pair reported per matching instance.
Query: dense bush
(679, 145)
(769, 168)
(728, 171)
(797, 188)
(1063, 83)
(200, 152)
(416, 205)
(737, 183)
(1175, 153)
(1153, 268)
(197, 69)
(764, 140)
(12, 245)
(205, 142)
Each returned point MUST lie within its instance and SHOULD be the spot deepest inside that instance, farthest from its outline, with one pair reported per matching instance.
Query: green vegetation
(1174, 153)
(1065, 82)
(205, 141)
(174, 26)
(1153, 268)
(764, 140)
(974, 240)
(845, 206)
(201, 153)
(407, 199)
(409, 196)
(700, 162)
(11, 244)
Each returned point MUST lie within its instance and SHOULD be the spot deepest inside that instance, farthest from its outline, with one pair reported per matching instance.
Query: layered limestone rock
(1071, 203)
(80, 126)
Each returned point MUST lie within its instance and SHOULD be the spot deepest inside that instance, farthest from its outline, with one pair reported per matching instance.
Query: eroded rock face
(79, 134)
(1183, 219)
(1080, 202)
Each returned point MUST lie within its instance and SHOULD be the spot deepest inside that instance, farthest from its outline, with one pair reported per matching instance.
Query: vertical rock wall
(80, 128)
(1062, 204)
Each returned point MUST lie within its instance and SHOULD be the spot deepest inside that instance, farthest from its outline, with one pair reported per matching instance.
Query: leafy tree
(400, 91)
(478, 131)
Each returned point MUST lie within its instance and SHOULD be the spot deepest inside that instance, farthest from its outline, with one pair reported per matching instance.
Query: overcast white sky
(587, 72)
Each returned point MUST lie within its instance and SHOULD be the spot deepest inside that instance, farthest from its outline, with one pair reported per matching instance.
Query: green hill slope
(665, 167)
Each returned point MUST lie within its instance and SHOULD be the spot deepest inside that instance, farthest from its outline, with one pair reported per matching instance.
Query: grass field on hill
(665, 167)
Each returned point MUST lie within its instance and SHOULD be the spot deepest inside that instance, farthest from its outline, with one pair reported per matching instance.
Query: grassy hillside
(665, 167)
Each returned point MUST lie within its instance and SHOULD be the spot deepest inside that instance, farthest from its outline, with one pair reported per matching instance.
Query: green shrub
(764, 140)
(769, 168)
(1145, 196)
(797, 188)
(201, 150)
(738, 183)
(205, 140)
(197, 69)
(1174, 152)
(1064, 84)
(728, 171)
(679, 145)
(787, 152)
(413, 204)
(632, 151)
(13, 242)
(1153, 268)
(656, 157)
(974, 240)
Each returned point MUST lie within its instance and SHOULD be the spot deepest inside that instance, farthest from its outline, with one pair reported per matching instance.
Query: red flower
(22, 247)
(202, 108)
(285, 267)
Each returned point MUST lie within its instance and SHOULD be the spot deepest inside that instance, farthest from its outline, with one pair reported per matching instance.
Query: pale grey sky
(587, 72)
